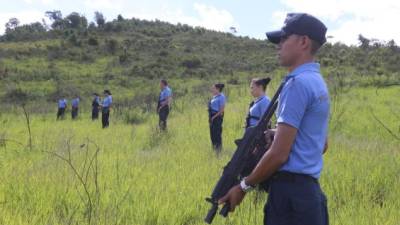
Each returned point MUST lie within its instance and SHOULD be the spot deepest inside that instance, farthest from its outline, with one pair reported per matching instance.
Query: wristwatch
(245, 188)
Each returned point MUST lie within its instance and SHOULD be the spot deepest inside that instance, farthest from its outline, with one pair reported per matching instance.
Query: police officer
(257, 107)
(105, 108)
(95, 106)
(164, 102)
(293, 163)
(75, 107)
(62, 106)
(216, 107)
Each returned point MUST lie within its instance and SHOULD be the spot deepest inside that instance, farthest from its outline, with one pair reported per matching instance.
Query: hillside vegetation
(72, 57)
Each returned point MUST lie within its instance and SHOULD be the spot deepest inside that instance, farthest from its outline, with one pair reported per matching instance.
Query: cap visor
(275, 36)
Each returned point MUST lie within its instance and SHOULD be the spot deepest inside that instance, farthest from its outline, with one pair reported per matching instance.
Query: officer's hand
(234, 197)
(269, 137)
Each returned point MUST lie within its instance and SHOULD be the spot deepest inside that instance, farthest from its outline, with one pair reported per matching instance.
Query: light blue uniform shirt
(217, 102)
(62, 103)
(165, 93)
(258, 109)
(107, 101)
(304, 104)
(75, 102)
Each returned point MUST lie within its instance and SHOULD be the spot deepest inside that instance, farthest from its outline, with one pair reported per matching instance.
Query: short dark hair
(164, 82)
(261, 82)
(219, 86)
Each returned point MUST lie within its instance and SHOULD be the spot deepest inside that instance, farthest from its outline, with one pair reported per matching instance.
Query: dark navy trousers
(295, 200)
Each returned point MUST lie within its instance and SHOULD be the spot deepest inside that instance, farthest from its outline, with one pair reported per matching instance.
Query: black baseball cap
(301, 24)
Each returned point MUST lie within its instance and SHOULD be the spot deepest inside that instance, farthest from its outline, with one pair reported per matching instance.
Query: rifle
(248, 153)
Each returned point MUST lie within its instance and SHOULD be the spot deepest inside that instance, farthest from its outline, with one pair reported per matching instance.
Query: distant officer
(95, 106)
(75, 107)
(164, 102)
(105, 108)
(257, 107)
(62, 106)
(216, 108)
(294, 161)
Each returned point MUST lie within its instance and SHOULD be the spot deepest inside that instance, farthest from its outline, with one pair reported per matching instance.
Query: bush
(135, 117)
(93, 41)
(192, 63)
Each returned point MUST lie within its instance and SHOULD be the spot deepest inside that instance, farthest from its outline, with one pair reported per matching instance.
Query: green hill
(76, 58)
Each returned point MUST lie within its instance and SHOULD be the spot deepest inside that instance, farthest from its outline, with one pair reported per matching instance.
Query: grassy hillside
(132, 174)
(125, 54)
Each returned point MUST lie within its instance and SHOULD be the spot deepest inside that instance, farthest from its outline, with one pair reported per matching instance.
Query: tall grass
(143, 176)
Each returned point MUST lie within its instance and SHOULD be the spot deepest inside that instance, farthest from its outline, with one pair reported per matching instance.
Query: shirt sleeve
(293, 104)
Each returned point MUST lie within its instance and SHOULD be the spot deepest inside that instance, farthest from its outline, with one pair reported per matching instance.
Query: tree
(76, 21)
(364, 42)
(12, 24)
(120, 18)
(99, 18)
(54, 15)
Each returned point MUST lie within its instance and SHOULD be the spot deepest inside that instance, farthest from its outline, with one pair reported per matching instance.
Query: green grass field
(78, 173)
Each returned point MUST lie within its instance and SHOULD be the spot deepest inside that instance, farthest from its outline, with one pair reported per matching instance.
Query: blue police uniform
(163, 111)
(62, 105)
(257, 109)
(75, 107)
(105, 111)
(214, 106)
(295, 195)
(95, 107)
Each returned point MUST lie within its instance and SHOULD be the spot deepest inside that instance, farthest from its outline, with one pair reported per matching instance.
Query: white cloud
(104, 4)
(349, 18)
(44, 2)
(25, 17)
(206, 16)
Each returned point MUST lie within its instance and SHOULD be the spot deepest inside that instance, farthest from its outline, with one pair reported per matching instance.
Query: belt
(286, 176)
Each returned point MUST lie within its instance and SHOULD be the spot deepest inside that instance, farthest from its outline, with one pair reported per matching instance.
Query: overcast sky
(345, 19)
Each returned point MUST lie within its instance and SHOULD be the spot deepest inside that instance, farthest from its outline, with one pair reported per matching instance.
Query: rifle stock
(235, 169)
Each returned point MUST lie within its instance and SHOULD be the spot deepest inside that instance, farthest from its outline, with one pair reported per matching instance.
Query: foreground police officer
(75, 107)
(257, 107)
(216, 108)
(62, 106)
(164, 102)
(95, 106)
(105, 108)
(294, 161)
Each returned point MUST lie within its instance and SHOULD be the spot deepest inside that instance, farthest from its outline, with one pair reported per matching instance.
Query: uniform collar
(312, 67)
(259, 98)
(216, 96)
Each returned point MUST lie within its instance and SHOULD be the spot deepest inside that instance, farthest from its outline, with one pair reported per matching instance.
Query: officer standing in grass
(257, 107)
(105, 108)
(216, 108)
(294, 161)
(75, 107)
(62, 106)
(164, 102)
(95, 106)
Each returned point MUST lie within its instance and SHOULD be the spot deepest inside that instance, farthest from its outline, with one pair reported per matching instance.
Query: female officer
(62, 106)
(257, 107)
(164, 102)
(95, 106)
(75, 107)
(105, 108)
(216, 108)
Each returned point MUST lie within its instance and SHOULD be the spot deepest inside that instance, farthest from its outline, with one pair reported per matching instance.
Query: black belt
(293, 177)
